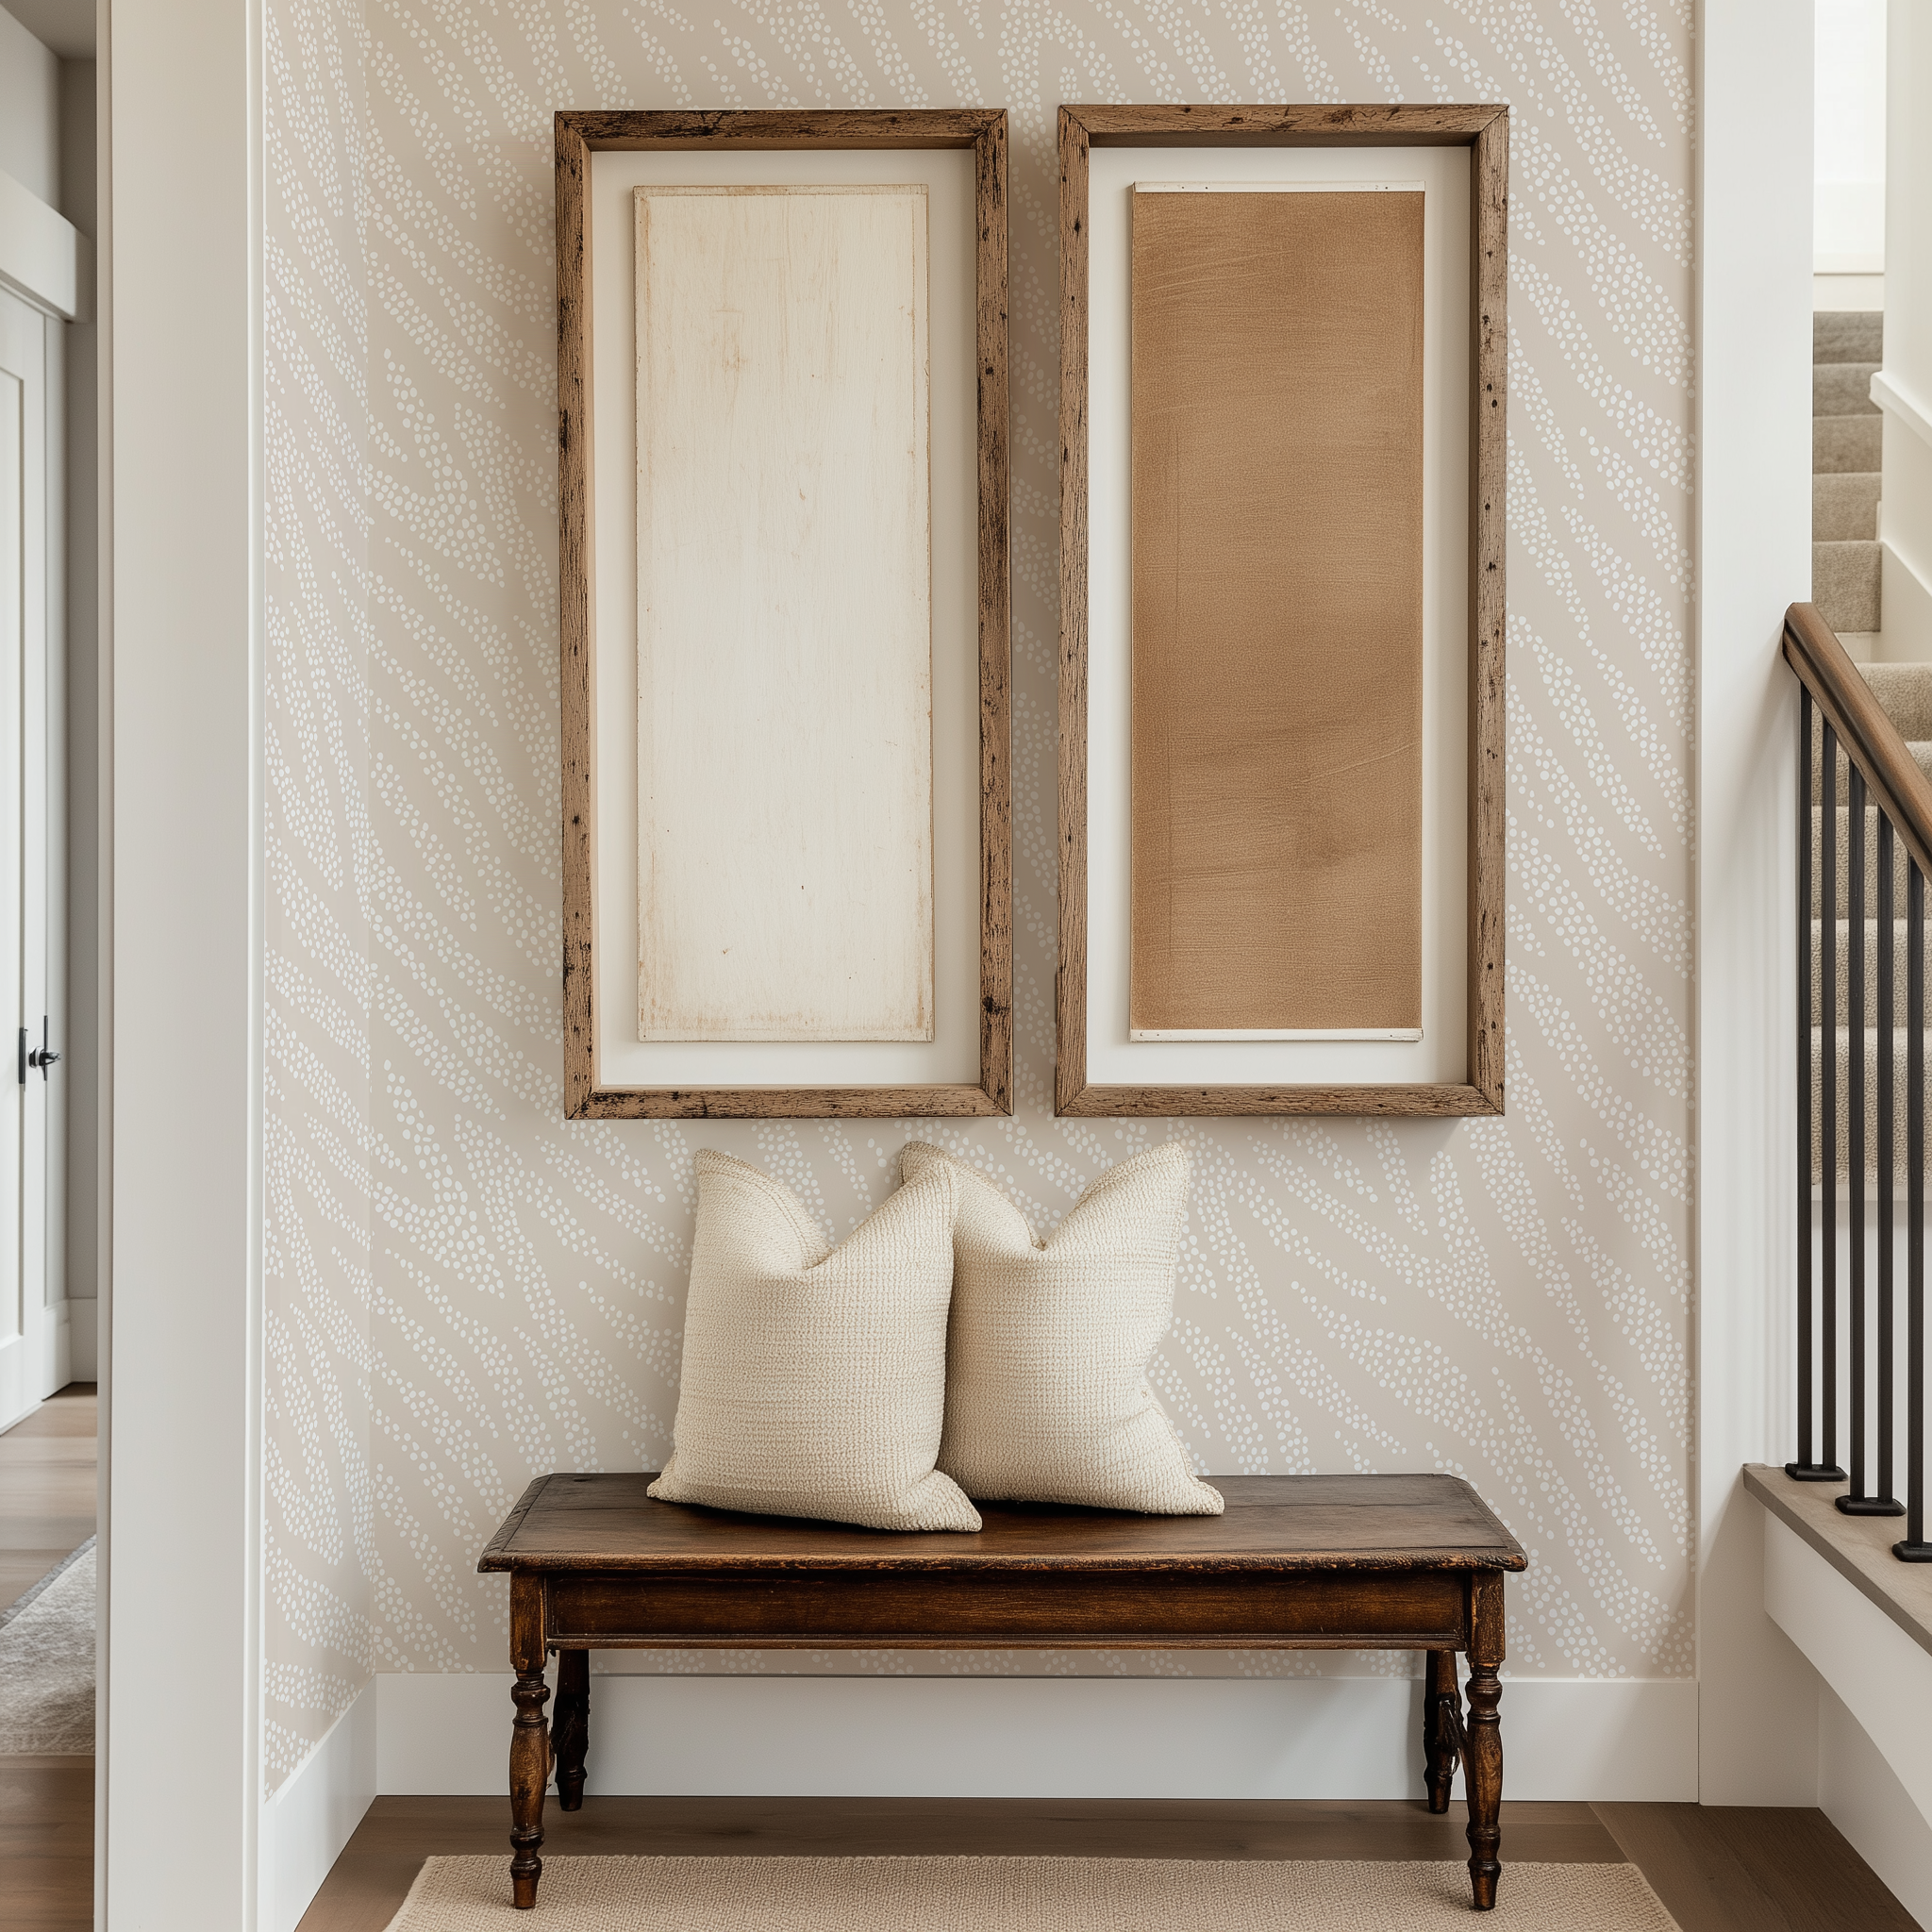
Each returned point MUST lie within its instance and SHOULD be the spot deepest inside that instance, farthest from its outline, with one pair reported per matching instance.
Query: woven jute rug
(613, 1894)
(47, 1662)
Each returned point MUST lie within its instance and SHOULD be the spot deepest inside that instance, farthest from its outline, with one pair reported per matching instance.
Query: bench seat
(1339, 1562)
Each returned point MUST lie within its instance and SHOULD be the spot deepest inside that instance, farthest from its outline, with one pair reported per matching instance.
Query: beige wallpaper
(466, 1291)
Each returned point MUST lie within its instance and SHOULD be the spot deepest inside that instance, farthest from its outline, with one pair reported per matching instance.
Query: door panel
(24, 1318)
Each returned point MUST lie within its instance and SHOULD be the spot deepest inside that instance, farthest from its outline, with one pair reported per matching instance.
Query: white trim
(314, 1811)
(182, 1606)
(1892, 397)
(84, 1318)
(1753, 532)
(1883, 1678)
(40, 251)
(1045, 1737)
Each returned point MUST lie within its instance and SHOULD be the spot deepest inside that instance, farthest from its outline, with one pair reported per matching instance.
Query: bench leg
(529, 1772)
(570, 1729)
(1483, 1775)
(1442, 1720)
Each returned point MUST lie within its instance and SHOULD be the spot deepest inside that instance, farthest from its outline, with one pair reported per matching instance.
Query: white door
(33, 1328)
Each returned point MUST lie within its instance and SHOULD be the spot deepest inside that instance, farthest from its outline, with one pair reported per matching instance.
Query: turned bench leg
(1482, 1766)
(530, 1740)
(1441, 1722)
(570, 1729)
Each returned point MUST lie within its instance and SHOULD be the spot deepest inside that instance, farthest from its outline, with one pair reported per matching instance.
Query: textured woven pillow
(814, 1380)
(1047, 1398)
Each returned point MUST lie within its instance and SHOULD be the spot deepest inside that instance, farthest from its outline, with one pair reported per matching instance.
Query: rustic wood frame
(579, 134)
(1485, 130)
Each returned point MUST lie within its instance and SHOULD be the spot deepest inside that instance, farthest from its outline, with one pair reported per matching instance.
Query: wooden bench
(1316, 1562)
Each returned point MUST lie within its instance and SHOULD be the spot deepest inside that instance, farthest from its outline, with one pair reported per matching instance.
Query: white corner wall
(1754, 544)
(180, 1785)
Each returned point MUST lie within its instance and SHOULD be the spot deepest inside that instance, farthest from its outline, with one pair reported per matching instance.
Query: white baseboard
(1881, 1676)
(1042, 1738)
(84, 1318)
(310, 1819)
(57, 1348)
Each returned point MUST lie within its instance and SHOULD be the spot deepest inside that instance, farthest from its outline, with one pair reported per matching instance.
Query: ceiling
(65, 25)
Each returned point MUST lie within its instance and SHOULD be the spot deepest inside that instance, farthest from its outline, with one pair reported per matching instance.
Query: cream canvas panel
(784, 853)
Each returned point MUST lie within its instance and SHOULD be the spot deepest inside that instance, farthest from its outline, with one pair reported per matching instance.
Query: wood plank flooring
(1718, 1871)
(47, 1484)
(48, 1472)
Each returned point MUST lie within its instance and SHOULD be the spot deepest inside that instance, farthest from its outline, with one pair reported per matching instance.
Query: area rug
(47, 1662)
(613, 1894)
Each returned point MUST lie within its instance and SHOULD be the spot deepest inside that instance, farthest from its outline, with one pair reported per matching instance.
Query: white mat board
(952, 1055)
(784, 613)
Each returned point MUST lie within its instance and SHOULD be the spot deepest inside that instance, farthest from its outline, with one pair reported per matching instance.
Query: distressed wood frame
(1485, 130)
(579, 134)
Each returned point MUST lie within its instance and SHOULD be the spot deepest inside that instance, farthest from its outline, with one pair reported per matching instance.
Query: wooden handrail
(1894, 781)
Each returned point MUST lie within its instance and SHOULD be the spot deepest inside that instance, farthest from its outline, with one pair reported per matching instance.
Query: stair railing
(1837, 713)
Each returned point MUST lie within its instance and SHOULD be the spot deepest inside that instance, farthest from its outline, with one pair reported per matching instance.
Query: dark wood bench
(1313, 1562)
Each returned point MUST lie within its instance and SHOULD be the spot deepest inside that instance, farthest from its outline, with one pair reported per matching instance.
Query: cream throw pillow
(814, 1379)
(1047, 1398)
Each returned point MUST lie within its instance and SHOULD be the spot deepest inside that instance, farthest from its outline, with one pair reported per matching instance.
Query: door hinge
(42, 1056)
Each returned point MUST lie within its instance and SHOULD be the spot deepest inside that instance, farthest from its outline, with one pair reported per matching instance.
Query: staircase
(1846, 350)
(1905, 693)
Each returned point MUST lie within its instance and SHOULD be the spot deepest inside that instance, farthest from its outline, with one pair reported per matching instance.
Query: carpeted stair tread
(1844, 1099)
(1905, 695)
(1842, 908)
(1842, 388)
(1841, 930)
(1844, 506)
(1847, 442)
(1848, 335)
(1844, 584)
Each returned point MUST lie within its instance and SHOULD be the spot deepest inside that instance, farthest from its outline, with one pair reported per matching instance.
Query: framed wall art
(784, 574)
(1282, 401)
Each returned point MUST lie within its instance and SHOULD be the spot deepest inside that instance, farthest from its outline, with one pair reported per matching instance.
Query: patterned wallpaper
(466, 1291)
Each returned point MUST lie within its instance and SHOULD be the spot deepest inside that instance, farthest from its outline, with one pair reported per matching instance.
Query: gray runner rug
(47, 1663)
(618, 1894)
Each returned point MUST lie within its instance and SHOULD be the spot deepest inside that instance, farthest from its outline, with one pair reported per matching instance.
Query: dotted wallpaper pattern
(466, 1291)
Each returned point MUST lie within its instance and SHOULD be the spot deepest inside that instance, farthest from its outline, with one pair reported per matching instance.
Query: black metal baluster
(1885, 1502)
(1914, 1549)
(1827, 1111)
(1854, 1119)
(1804, 1468)
(1858, 1503)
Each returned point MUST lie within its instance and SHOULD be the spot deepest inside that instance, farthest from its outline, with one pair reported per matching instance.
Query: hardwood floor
(47, 1476)
(1718, 1871)
(48, 1468)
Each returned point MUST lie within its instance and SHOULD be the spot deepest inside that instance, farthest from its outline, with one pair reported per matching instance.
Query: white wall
(1848, 142)
(181, 1519)
(1904, 388)
(1754, 517)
